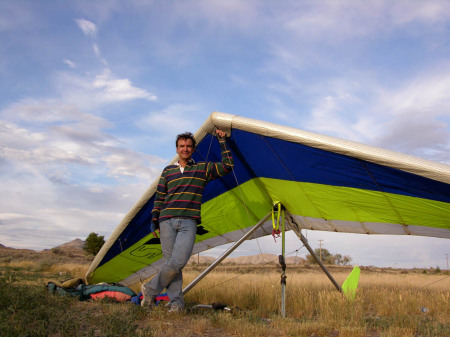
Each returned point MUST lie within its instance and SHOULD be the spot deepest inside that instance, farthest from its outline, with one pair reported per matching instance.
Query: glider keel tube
(226, 253)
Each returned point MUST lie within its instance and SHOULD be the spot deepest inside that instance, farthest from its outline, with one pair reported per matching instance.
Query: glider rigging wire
(241, 197)
(235, 277)
(433, 282)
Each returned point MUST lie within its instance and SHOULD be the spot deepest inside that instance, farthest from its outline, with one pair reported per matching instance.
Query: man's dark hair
(185, 136)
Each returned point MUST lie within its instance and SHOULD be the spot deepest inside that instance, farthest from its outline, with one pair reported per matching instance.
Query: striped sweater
(180, 194)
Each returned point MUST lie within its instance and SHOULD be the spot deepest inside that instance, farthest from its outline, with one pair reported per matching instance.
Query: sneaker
(148, 300)
(175, 308)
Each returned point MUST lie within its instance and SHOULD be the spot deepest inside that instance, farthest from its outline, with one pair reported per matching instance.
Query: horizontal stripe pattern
(317, 207)
(262, 156)
(179, 194)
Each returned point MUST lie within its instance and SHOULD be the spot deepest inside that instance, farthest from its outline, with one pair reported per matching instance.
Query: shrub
(94, 243)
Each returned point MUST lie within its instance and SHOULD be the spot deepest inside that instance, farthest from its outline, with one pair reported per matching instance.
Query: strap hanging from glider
(277, 211)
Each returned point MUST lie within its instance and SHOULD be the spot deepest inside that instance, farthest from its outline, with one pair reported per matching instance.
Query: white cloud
(415, 118)
(89, 91)
(431, 12)
(334, 21)
(46, 228)
(411, 134)
(27, 221)
(14, 15)
(127, 163)
(98, 54)
(114, 90)
(428, 93)
(326, 39)
(174, 119)
(70, 63)
(235, 15)
(412, 117)
(53, 154)
(89, 28)
(62, 134)
(39, 112)
(334, 111)
(96, 50)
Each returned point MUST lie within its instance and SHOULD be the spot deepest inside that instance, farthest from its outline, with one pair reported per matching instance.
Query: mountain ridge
(74, 249)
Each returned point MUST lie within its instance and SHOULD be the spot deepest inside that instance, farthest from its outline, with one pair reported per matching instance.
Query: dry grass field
(388, 303)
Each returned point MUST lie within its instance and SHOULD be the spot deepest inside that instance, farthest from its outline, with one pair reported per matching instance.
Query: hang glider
(325, 183)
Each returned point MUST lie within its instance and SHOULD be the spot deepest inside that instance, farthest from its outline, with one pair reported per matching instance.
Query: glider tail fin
(351, 283)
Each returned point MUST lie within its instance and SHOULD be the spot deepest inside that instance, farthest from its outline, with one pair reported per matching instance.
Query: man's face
(185, 149)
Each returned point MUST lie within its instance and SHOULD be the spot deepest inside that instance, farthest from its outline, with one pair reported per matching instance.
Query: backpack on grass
(77, 288)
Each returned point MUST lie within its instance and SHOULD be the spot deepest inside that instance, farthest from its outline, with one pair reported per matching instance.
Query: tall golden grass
(78, 270)
(396, 304)
(388, 303)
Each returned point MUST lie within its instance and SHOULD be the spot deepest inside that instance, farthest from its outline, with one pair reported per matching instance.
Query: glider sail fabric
(326, 184)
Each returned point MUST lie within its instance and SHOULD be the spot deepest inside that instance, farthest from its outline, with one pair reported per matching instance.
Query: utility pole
(447, 260)
(320, 249)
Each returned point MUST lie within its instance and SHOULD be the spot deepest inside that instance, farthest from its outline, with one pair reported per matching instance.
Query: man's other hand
(220, 133)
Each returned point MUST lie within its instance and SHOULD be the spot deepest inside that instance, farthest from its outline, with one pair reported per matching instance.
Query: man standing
(176, 213)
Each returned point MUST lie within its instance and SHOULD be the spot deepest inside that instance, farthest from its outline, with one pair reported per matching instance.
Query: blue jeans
(177, 242)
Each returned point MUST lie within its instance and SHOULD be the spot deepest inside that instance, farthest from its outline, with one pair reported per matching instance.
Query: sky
(93, 94)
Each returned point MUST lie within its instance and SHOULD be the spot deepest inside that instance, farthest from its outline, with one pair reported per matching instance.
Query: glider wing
(326, 183)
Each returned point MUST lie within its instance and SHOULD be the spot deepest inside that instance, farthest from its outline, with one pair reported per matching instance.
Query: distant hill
(75, 244)
(73, 252)
(250, 259)
(195, 259)
(67, 252)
